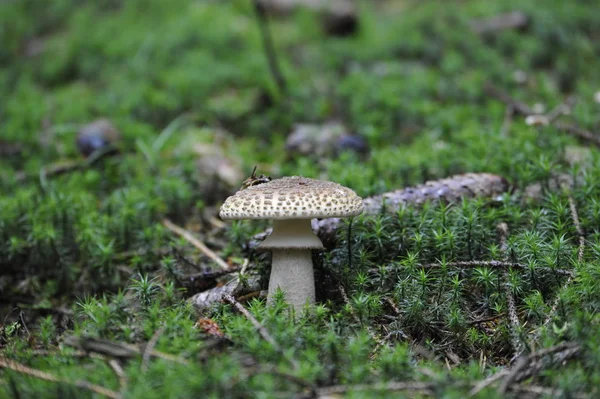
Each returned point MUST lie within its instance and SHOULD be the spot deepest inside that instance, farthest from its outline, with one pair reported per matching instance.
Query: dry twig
(580, 253)
(485, 319)
(495, 264)
(392, 304)
(117, 350)
(289, 377)
(499, 94)
(513, 317)
(528, 366)
(512, 374)
(549, 118)
(43, 375)
(535, 390)
(374, 336)
(481, 385)
(514, 322)
(150, 348)
(259, 327)
(264, 333)
(113, 363)
(196, 243)
(578, 132)
(501, 22)
(415, 387)
(580, 234)
(118, 369)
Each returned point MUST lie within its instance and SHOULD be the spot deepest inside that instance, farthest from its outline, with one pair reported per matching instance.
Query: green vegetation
(85, 254)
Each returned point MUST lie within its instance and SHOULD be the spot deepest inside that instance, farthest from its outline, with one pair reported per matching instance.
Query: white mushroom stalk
(292, 272)
(292, 242)
(292, 202)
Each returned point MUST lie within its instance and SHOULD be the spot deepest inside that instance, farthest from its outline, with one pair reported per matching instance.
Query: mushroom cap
(294, 197)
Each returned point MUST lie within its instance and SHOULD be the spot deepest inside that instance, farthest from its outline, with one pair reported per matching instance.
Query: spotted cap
(292, 197)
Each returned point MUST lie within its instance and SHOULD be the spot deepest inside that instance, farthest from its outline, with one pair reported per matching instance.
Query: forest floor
(481, 285)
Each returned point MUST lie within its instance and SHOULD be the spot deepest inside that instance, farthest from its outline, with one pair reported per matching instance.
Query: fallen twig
(118, 369)
(578, 229)
(61, 168)
(513, 317)
(235, 287)
(492, 263)
(579, 133)
(416, 387)
(43, 375)
(564, 108)
(509, 20)
(196, 243)
(499, 94)
(115, 364)
(485, 319)
(259, 327)
(264, 333)
(126, 255)
(539, 360)
(528, 366)
(117, 350)
(213, 274)
(289, 377)
(521, 364)
(255, 294)
(372, 334)
(393, 305)
(515, 325)
(536, 390)
(481, 385)
(580, 253)
(449, 190)
(547, 119)
(150, 348)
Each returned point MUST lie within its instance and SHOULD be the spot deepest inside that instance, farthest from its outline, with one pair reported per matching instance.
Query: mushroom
(292, 202)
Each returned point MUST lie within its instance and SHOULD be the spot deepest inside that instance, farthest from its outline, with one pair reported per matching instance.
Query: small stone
(352, 143)
(520, 76)
(537, 120)
(97, 135)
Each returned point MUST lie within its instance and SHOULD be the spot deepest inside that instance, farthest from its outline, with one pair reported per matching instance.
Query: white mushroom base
(292, 272)
(291, 243)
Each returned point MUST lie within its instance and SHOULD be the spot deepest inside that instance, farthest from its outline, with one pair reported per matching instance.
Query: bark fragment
(449, 190)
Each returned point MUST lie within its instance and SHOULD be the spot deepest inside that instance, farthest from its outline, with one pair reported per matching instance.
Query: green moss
(84, 253)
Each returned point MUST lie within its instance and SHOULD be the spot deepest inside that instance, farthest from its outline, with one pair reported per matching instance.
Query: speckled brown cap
(292, 197)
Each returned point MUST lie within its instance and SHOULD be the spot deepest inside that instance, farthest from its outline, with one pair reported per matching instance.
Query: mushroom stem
(292, 272)
(292, 269)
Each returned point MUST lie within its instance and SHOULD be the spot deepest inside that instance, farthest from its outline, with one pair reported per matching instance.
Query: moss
(84, 253)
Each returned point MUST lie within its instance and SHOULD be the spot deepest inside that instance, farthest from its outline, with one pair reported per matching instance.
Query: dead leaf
(210, 327)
